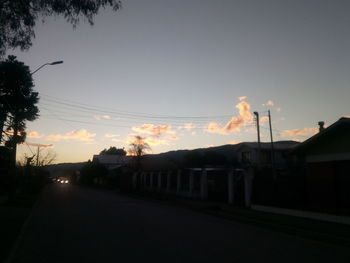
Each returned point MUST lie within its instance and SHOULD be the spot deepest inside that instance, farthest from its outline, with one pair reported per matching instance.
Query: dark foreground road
(74, 224)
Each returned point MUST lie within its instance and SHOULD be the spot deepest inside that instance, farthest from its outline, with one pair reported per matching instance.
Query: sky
(188, 74)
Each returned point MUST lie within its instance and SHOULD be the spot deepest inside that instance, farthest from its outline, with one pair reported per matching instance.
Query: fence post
(134, 180)
(151, 181)
(230, 185)
(191, 183)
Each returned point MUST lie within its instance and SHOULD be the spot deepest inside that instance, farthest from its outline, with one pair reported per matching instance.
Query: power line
(125, 113)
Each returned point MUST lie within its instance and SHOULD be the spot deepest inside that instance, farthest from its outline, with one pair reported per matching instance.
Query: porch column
(248, 186)
(168, 181)
(160, 181)
(178, 182)
(204, 184)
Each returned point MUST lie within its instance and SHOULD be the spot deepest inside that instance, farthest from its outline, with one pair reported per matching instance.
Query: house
(326, 158)
(111, 162)
(248, 153)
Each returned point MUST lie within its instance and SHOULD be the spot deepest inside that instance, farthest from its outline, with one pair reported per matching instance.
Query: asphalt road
(75, 224)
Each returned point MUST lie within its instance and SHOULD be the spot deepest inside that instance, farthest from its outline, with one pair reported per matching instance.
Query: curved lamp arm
(52, 63)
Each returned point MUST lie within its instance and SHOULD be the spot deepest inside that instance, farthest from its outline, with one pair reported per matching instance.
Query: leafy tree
(138, 148)
(113, 151)
(18, 18)
(17, 100)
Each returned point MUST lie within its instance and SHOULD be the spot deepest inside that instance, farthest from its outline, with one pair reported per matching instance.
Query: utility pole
(38, 150)
(272, 148)
(259, 143)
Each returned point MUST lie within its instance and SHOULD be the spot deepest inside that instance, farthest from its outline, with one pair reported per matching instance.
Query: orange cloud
(132, 138)
(236, 122)
(154, 129)
(173, 137)
(268, 103)
(298, 132)
(34, 135)
(187, 126)
(242, 98)
(77, 135)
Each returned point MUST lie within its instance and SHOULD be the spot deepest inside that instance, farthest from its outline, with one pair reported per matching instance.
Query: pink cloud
(152, 129)
(236, 122)
(77, 135)
(298, 132)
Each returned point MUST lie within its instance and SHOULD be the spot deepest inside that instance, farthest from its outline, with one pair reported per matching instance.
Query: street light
(52, 63)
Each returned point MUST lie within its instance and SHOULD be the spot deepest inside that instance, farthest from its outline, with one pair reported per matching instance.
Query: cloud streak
(103, 117)
(76, 135)
(156, 130)
(298, 132)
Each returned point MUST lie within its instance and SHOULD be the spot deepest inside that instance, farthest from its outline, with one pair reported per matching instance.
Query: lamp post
(52, 63)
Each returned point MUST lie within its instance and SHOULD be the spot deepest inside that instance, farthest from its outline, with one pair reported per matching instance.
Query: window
(246, 157)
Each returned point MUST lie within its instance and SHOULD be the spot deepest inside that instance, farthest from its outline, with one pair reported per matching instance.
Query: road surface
(76, 224)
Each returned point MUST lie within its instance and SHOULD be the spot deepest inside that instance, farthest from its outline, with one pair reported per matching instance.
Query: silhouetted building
(248, 153)
(326, 157)
(111, 161)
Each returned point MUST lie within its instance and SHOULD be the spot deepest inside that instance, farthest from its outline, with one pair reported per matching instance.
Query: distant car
(64, 181)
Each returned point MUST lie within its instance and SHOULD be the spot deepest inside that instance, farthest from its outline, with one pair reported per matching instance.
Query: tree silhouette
(138, 148)
(17, 101)
(113, 151)
(18, 18)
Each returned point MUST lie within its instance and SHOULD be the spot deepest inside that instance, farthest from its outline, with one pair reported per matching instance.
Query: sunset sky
(189, 73)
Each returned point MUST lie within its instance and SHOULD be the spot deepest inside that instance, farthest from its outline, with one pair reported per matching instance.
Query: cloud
(236, 122)
(109, 135)
(102, 117)
(187, 126)
(242, 98)
(77, 135)
(268, 103)
(172, 137)
(34, 135)
(233, 142)
(298, 132)
(152, 129)
(278, 109)
(151, 141)
(263, 119)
